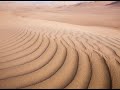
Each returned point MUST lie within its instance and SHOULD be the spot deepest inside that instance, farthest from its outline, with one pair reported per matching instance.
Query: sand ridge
(48, 54)
(67, 47)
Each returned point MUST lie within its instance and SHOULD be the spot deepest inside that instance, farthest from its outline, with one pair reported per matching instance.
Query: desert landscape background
(60, 44)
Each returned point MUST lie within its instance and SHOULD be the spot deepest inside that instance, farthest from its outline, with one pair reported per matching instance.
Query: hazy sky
(49, 2)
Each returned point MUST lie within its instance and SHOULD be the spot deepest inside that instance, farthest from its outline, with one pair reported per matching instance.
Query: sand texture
(48, 54)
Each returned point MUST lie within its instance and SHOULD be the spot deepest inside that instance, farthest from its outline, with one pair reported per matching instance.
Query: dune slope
(47, 54)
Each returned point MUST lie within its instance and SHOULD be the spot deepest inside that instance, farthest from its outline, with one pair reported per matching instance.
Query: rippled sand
(44, 54)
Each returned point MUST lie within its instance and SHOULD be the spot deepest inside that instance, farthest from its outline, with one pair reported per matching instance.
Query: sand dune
(47, 54)
(115, 4)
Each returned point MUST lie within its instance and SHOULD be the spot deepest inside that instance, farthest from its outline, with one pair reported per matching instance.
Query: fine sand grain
(47, 54)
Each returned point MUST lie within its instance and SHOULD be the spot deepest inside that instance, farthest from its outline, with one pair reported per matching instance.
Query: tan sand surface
(55, 49)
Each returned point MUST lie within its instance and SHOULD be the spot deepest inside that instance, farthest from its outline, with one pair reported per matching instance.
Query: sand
(58, 52)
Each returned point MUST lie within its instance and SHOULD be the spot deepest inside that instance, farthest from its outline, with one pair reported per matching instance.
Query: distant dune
(97, 13)
(115, 4)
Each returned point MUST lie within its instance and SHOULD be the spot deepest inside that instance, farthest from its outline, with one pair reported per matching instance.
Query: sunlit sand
(73, 47)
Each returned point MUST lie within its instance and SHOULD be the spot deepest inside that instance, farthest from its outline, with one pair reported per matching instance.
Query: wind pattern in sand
(48, 54)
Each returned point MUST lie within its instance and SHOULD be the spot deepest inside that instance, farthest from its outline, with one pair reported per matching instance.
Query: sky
(49, 2)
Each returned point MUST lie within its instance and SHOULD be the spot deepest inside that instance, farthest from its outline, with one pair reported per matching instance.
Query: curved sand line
(14, 46)
(51, 55)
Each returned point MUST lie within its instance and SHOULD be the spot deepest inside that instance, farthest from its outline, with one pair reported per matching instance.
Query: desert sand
(70, 47)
